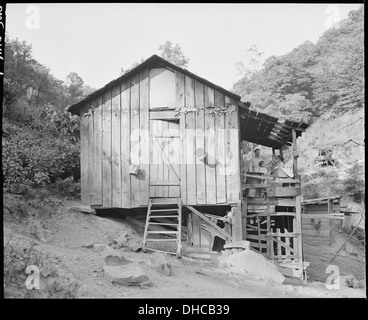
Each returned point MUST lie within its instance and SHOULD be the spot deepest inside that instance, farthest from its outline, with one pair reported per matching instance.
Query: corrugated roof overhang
(266, 130)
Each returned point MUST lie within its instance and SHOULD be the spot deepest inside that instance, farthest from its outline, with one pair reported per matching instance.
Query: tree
(173, 54)
(74, 84)
(251, 62)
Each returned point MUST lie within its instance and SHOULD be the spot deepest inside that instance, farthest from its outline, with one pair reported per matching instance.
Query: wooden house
(161, 132)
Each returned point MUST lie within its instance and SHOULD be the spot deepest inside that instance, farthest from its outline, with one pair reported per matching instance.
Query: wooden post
(236, 223)
(298, 218)
(295, 155)
(273, 151)
(281, 153)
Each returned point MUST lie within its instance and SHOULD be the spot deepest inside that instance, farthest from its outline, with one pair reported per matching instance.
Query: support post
(295, 155)
(236, 222)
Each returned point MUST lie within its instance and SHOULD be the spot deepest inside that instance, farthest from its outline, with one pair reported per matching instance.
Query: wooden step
(164, 224)
(167, 216)
(162, 232)
(161, 240)
(164, 210)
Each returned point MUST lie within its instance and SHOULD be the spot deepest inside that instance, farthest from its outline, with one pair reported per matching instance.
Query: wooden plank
(284, 192)
(174, 157)
(220, 149)
(180, 103)
(232, 153)
(200, 144)
(165, 163)
(106, 151)
(215, 226)
(190, 119)
(144, 138)
(134, 141)
(115, 147)
(125, 143)
(85, 119)
(90, 155)
(278, 242)
(210, 147)
(299, 245)
(97, 152)
(163, 115)
(256, 237)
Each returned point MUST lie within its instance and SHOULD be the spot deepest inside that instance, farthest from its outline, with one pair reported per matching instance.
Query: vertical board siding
(200, 145)
(210, 151)
(106, 150)
(115, 147)
(174, 156)
(97, 152)
(125, 143)
(190, 141)
(90, 154)
(233, 182)
(134, 141)
(117, 136)
(84, 150)
(220, 150)
(144, 138)
(180, 103)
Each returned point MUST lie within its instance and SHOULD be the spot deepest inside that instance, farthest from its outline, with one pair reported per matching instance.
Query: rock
(88, 246)
(351, 282)
(126, 275)
(114, 260)
(136, 247)
(120, 241)
(253, 263)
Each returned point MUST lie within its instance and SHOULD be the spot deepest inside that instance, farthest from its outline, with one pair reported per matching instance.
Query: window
(162, 88)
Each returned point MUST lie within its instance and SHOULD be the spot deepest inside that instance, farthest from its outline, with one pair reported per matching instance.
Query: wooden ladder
(164, 212)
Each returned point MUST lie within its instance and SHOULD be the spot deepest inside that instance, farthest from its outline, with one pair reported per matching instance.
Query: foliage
(33, 157)
(312, 79)
(52, 283)
(173, 54)
(67, 186)
(40, 137)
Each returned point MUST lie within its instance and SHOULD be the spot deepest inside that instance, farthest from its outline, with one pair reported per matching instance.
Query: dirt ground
(62, 237)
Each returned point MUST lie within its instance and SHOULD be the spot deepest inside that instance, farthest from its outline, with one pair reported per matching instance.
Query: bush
(37, 157)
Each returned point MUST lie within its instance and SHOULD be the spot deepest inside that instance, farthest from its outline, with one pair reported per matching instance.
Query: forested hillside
(322, 84)
(40, 139)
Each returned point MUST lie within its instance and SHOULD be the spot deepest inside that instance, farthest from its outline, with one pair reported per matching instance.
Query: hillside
(46, 229)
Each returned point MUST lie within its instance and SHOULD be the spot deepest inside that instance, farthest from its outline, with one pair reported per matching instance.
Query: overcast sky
(97, 40)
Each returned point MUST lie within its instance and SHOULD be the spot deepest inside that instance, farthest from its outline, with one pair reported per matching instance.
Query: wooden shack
(162, 132)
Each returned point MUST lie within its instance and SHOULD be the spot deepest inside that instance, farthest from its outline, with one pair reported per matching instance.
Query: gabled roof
(153, 61)
(256, 127)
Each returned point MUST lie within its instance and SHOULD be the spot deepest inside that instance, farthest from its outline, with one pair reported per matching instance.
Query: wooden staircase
(166, 213)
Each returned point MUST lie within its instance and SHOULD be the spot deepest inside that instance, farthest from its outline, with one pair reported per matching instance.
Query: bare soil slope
(42, 229)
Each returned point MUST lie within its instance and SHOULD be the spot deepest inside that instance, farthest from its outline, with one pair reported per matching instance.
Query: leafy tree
(251, 62)
(74, 84)
(173, 54)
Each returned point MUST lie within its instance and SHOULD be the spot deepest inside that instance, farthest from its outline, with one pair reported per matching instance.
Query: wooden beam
(295, 154)
(211, 223)
(163, 115)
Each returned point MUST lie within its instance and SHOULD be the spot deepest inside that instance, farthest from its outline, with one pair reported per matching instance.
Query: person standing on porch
(254, 162)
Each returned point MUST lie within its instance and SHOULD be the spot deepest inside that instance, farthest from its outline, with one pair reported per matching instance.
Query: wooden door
(164, 158)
